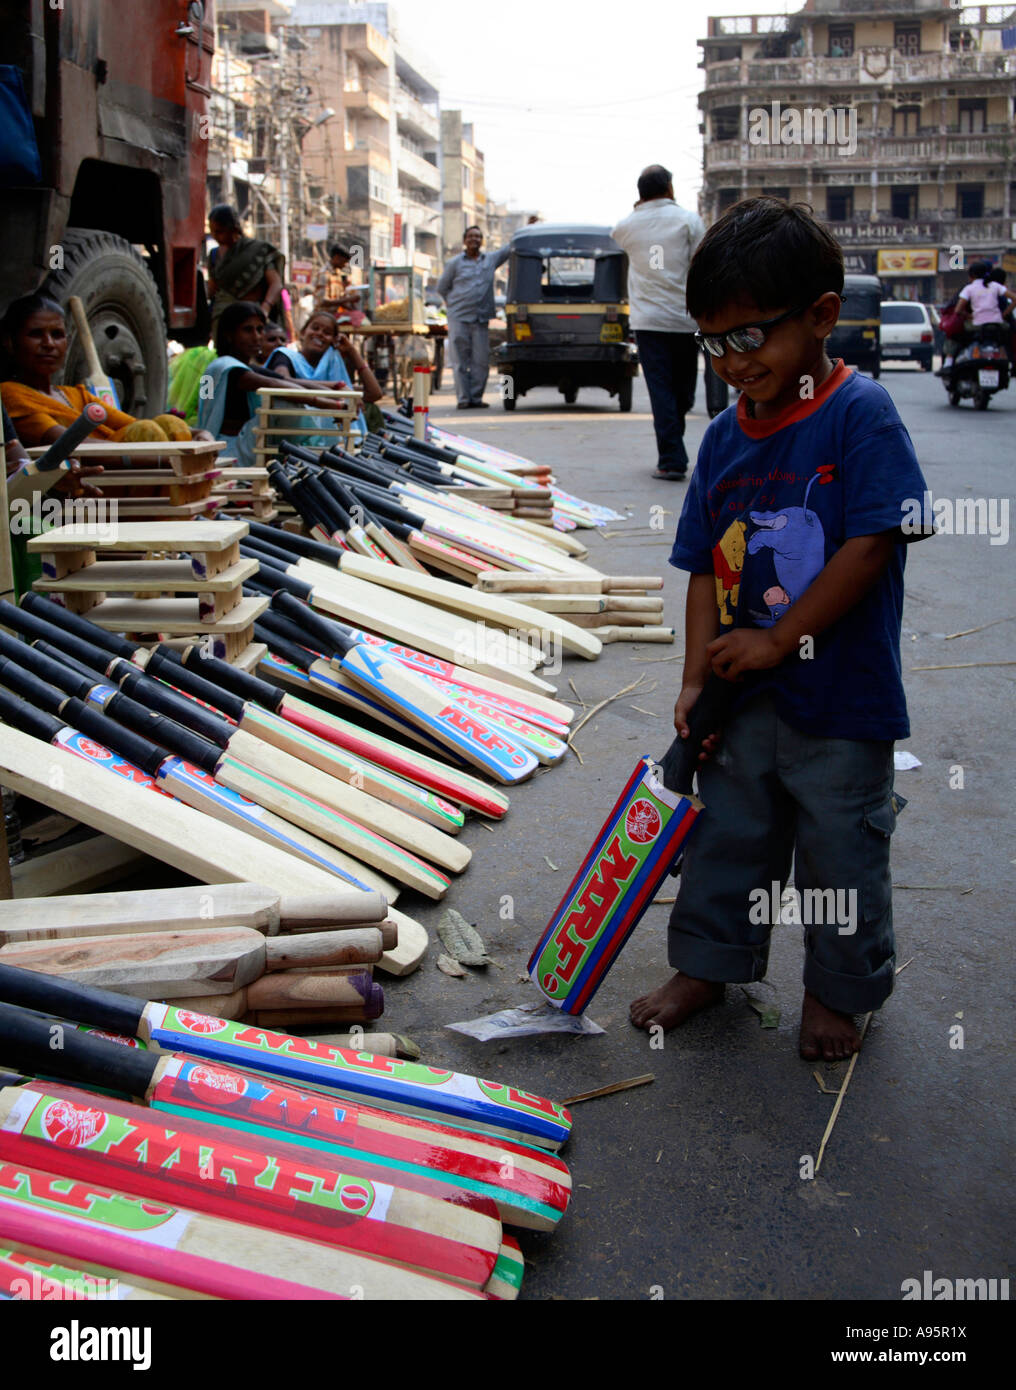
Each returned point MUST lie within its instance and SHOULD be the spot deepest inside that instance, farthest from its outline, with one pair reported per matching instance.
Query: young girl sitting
(328, 357)
(229, 389)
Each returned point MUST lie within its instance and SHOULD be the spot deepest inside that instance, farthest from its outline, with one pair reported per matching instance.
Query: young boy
(792, 534)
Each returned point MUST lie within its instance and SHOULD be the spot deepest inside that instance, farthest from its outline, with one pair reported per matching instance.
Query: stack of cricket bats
(250, 1164)
(216, 949)
(616, 608)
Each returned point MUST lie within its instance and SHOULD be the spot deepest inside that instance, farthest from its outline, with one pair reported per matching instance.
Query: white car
(908, 332)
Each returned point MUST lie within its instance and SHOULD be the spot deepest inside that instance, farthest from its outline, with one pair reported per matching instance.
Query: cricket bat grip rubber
(51, 994)
(708, 716)
(47, 1047)
(90, 419)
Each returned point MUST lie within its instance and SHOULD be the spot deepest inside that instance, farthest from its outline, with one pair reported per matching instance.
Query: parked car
(908, 332)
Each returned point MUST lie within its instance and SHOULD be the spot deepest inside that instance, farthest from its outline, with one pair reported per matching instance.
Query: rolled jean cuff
(850, 994)
(716, 961)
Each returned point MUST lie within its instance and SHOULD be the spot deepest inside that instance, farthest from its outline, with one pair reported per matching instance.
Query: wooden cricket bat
(98, 382)
(212, 961)
(638, 845)
(88, 731)
(548, 747)
(363, 749)
(247, 905)
(537, 709)
(354, 810)
(549, 582)
(203, 772)
(22, 1277)
(446, 721)
(447, 1096)
(259, 719)
(171, 1248)
(529, 1188)
(490, 607)
(216, 1173)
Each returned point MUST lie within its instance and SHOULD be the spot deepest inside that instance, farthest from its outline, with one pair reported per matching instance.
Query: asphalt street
(691, 1187)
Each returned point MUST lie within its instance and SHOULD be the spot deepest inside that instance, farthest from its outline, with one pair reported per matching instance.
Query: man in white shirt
(660, 239)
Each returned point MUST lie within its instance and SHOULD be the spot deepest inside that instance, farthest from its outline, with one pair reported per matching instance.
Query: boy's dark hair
(232, 317)
(473, 228)
(337, 249)
(654, 182)
(767, 251)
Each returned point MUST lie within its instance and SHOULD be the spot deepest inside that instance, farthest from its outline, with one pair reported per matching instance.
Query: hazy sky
(570, 100)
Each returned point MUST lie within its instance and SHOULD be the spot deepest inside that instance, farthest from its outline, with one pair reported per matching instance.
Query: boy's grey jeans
(774, 795)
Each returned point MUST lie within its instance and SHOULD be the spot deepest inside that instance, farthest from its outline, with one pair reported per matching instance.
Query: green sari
(239, 273)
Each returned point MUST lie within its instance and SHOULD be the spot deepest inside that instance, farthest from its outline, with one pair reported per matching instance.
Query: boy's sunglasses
(748, 338)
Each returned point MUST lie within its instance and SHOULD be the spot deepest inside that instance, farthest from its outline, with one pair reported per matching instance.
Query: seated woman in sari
(241, 268)
(328, 357)
(34, 338)
(229, 392)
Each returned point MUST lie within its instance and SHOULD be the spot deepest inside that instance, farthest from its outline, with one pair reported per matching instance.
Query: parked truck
(118, 97)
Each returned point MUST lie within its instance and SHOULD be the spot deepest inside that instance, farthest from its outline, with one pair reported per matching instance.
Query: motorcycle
(981, 367)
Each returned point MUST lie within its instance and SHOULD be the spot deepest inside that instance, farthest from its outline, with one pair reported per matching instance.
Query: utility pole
(227, 153)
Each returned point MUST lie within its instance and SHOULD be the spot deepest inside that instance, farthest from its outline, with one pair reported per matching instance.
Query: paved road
(691, 1186)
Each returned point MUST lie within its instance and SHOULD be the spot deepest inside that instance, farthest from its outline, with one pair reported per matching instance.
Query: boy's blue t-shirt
(769, 503)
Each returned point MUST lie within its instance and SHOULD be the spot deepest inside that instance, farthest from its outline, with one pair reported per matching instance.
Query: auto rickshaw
(567, 314)
(857, 337)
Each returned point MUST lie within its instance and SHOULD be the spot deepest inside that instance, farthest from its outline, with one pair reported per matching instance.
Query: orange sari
(34, 414)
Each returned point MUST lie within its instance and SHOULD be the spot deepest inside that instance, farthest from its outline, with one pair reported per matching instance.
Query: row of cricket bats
(277, 1167)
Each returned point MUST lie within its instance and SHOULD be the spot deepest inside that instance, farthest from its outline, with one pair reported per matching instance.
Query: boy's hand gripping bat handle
(708, 716)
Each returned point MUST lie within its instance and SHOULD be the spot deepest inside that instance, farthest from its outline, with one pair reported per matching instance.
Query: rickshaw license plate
(868, 333)
(522, 330)
(987, 378)
(610, 333)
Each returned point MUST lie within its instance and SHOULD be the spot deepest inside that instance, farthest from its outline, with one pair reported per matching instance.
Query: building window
(726, 198)
(839, 204)
(783, 193)
(467, 178)
(970, 199)
(906, 120)
(903, 204)
(726, 123)
(973, 116)
(908, 39)
(841, 41)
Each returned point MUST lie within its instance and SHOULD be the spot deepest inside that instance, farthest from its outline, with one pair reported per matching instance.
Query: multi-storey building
(894, 122)
(378, 163)
(464, 185)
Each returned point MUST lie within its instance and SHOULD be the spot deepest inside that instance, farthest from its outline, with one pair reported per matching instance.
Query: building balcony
(366, 98)
(414, 169)
(371, 144)
(883, 150)
(367, 44)
(862, 69)
(415, 119)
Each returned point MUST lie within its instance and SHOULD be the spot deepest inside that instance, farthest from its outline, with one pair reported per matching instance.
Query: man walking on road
(660, 238)
(467, 287)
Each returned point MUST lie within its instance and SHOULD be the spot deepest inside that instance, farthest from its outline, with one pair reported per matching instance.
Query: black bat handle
(90, 419)
(50, 1048)
(708, 716)
(53, 994)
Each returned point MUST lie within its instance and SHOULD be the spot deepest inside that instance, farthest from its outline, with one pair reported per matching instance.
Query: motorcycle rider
(980, 302)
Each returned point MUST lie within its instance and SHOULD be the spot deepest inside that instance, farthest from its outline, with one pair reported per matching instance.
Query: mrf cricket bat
(402, 690)
(445, 1096)
(638, 845)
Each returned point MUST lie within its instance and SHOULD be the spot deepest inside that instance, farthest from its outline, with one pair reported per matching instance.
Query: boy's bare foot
(826, 1033)
(673, 1003)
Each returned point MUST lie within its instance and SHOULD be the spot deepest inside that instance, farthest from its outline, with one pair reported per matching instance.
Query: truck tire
(125, 314)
